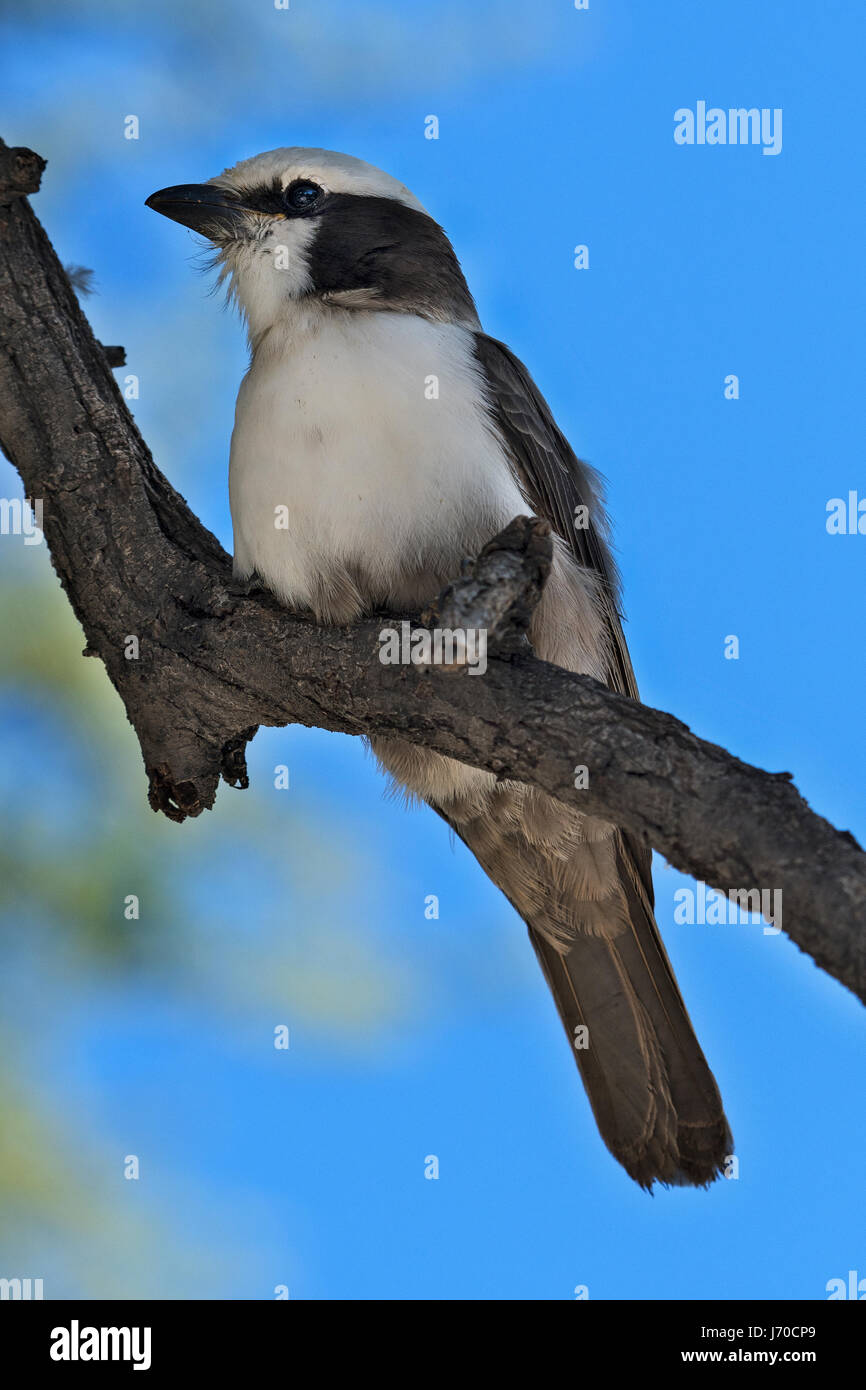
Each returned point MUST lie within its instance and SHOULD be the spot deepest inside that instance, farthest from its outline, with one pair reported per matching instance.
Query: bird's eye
(302, 195)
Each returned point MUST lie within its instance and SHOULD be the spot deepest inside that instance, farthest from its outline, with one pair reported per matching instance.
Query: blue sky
(416, 1037)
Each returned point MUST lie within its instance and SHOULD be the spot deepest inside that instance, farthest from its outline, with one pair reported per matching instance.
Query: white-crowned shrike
(354, 299)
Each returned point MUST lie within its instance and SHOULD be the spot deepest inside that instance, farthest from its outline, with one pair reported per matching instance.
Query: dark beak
(209, 210)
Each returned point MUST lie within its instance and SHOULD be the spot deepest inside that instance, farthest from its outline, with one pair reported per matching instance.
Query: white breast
(359, 439)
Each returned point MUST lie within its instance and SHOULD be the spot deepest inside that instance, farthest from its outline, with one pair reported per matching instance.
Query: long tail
(653, 1095)
(591, 922)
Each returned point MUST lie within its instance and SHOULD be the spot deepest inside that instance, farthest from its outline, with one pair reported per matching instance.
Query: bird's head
(303, 225)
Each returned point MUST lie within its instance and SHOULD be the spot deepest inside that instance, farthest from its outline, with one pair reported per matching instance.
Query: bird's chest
(363, 441)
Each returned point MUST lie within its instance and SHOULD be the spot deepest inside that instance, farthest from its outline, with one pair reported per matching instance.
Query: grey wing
(555, 483)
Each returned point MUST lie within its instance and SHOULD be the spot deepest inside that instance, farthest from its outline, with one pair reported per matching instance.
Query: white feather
(335, 423)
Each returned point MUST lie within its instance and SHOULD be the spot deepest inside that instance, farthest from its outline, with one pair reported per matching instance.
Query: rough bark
(214, 663)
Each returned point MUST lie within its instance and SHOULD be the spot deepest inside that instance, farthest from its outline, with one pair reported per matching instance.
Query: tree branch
(213, 663)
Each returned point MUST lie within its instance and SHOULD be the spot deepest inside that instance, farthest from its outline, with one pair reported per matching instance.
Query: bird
(354, 300)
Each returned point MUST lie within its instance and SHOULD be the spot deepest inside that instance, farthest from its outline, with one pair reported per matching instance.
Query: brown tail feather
(653, 1095)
